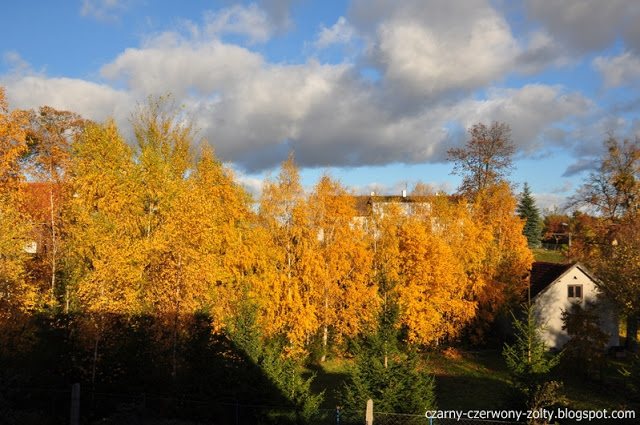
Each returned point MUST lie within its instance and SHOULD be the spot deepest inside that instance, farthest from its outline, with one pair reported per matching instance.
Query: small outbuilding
(555, 287)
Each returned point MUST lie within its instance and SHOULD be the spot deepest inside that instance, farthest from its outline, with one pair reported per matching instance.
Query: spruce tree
(389, 372)
(528, 211)
(530, 365)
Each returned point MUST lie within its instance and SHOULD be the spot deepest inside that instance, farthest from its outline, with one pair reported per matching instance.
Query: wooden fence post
(369, 414)
(75, 404)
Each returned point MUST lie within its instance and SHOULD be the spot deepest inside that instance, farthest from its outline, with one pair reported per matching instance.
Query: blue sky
(376, 91)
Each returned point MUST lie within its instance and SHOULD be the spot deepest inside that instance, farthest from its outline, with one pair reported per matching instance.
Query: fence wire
(52, 407)
(380, 418)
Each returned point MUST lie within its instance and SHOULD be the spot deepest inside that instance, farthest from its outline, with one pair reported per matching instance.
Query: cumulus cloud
(566, 187)
(170, 63)
(539, 52)
(279, 12)
(251, 21)
(253, 185)
(586, 25)
(579, 166)
(528, 110)
(93, 101)
(549, 202)
(432, 49)
(340, 33)
(103, 10)
(621, 70)
(255, 111)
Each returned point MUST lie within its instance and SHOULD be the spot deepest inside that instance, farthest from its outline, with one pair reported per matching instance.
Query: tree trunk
(174, 371)
(631, 342)
(54, 243)
(325, 329)
(94, 364)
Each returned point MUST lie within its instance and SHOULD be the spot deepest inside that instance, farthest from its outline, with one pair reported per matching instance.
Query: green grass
(549, 256)
(469, 381)
(480, 380)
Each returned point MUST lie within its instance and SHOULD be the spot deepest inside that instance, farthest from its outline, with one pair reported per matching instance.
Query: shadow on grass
(330, 380)
(472, 381)
(474, 393)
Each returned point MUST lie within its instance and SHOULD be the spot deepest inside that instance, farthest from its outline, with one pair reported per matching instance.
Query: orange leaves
(15, 229)
(12, 143)
(343, 291)
(436, 281)
(162, 229)
(287, 302)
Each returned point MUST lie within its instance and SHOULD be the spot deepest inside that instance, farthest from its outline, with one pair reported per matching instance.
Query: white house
(555, 287)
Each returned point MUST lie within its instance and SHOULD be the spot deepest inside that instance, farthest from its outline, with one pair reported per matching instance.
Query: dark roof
(364, 202)
(544, 274)
(362, 205)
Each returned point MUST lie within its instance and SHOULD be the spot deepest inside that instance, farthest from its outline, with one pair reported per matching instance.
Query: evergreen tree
(389, 372)
(528, 211)
(530, 364)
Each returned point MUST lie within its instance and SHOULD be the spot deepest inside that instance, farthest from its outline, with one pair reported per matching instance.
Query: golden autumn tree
(383, 228)
(49, 136)
(287, 298)
(208, 230)
(508, 260)
(15, 228)
(484, 163)
(164, 160)
(104, 235)
(345, 297)
(441, 251)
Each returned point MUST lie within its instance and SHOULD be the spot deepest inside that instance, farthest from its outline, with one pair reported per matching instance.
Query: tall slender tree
(613, 192)
(508, 258)
(345, 297)
(486, 159)
(528, 211)
(15, 228)
(289, 309)
(49, 138)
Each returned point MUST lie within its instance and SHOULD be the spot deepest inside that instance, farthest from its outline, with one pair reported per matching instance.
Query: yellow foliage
(15, 228)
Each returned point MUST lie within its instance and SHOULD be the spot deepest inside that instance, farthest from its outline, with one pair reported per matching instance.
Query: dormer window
(574, 291)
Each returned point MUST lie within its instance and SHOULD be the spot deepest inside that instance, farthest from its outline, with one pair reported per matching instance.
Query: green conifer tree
(528, 211)
(389, 372)
(530, 365)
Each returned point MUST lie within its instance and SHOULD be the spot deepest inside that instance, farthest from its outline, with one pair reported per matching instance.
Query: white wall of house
(551, 302)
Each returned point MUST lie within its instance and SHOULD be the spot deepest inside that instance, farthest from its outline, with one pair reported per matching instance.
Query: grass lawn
(549, 256)
(480, 380)
(471, 380)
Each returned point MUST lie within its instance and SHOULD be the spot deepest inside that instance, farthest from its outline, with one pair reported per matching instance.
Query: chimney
(373, 193)
(404, 193)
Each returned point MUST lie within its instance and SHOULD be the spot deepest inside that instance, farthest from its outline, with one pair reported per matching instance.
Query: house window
(575, 291)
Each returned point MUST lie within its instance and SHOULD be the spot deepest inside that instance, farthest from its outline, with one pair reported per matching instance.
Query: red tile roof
(543, 274)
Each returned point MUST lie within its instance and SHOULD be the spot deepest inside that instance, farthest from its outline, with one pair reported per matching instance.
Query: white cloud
(103, 10)
(91, 100)
(528, 110)
(172, 64)
(253, 185)
(549, 202)
(251, 21)
(539, 52)
(585, 25)
(340, 33)
(431, 49)
(254, 111)
(621, 70)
